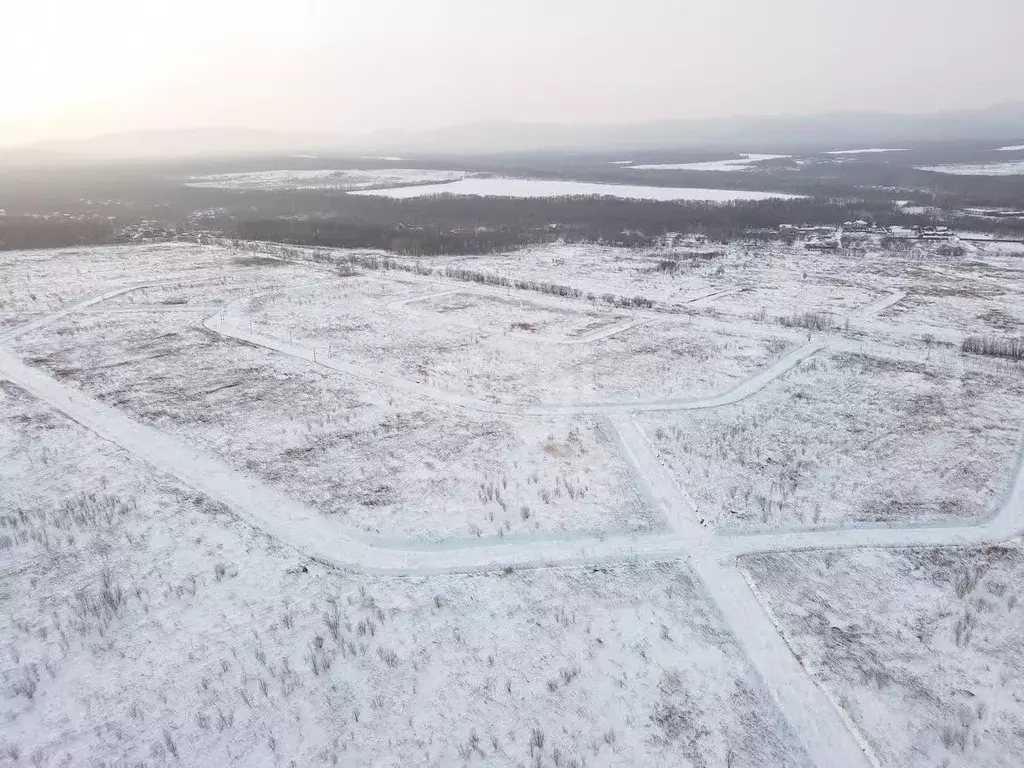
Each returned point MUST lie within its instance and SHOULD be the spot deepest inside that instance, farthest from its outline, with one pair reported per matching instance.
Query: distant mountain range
(838, 130)
(219, 142)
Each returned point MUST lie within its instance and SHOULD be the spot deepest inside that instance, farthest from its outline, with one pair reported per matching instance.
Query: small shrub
(332, 619)
(965, 582)
(366, 626)
(388, 656)
(111, 593)
(318, 657)
(568, 674)
(963, 629)
(536, 739)
(812, 321)
(27, 682)
(169, 742)
(954, 736)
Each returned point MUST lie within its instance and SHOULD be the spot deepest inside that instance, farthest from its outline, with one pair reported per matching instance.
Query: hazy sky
(73, 68)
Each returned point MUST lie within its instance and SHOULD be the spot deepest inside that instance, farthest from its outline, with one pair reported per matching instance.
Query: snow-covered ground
(849, 438)
(551, 321)
(869, 150)
(688, 357)
(404, 470)
(47, 280)
(741, 163)
(325, 179)
(962, 306)
(264, 506)
(1010, 168)
(144, 623)
(738, 278)
(508, 187)
(1012, 148)
(995, 212)
(924, 648)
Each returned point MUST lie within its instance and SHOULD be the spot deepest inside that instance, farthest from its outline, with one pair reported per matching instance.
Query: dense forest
(61, 206)
(483, 225)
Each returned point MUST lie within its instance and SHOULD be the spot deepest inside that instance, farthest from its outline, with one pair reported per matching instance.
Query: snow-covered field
(735, 279)
(404, 470)
(924, 648)
(508, 187)
(410, 182)
(869, 150)
(1013, 168)
(325, 179)
(506, 363)
(47, 280)
(143, 623)
(849, 438)
(264, 506)
(494, 313)
(962, 306)
(741, 163)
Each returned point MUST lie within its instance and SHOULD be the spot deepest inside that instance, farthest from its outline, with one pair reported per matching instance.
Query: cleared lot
(677, 357)
(518, 316)
(850, 438)
(388, 466)
(922, 648)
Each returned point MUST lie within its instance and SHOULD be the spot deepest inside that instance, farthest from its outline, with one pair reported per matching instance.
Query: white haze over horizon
(70, 69)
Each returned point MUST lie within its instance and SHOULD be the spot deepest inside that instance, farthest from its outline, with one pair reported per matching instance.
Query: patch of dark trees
(450, 225)
(99, 202)
(25, 232)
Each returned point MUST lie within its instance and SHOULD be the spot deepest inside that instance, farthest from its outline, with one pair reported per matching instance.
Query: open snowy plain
(698, 505)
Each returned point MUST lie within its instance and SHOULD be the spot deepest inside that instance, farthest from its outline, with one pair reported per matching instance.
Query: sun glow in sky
(73, 68)
(70, 63)
(67, 53)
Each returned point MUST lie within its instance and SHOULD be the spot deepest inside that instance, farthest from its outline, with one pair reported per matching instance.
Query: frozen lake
(870, 150)
(327, 179)
(736, 164)
(501, 187)
(980, 169)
